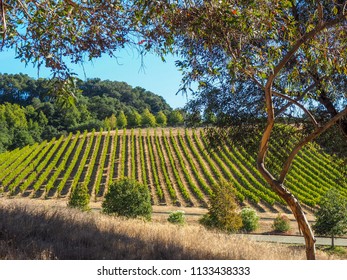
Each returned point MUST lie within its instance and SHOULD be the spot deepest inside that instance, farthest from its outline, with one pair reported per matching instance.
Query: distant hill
(30, 112)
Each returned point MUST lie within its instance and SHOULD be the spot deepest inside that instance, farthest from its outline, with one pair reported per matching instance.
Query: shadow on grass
(52, 234)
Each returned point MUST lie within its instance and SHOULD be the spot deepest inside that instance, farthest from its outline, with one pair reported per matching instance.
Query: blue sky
(156, 76)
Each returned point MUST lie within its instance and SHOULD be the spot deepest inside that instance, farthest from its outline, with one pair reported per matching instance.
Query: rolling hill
(175, 163)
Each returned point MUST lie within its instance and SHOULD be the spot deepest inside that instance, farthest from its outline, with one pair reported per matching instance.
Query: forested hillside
(30, 111)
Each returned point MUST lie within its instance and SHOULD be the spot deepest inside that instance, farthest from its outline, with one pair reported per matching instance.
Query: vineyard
(176, 164)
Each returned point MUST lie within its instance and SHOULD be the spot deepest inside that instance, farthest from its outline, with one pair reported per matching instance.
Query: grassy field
(33, 229)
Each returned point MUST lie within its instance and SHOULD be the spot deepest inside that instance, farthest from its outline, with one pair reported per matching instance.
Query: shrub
(177, 217)
(129, 198)
(331, 216)
(249, 219)
(79, 198)
(222, 212)
(281, 223)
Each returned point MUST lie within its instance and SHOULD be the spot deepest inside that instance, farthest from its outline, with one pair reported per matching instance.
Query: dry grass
(30, 230)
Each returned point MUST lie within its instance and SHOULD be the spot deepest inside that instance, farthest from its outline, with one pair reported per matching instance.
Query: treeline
(29, 111)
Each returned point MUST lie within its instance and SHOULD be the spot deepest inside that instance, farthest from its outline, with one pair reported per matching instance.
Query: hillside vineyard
(176, 164)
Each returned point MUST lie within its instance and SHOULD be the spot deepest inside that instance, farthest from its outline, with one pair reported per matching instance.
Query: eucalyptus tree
(284, 54)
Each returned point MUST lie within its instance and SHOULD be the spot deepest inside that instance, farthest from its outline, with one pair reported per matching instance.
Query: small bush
(177, 217)
(281, 223)
(249, 219)
(128, 198)
(79, 198)
(222, 212)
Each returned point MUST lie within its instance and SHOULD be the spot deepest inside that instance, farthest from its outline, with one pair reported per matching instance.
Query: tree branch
(307, 139)
(3, 19)
(25, 9)
(285, 107)
(268, 87)
(293, 101)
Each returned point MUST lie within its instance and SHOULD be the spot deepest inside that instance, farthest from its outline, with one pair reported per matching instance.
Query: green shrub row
(27, 166)
(158, 189)
(180, 185)
(93, 157)
(82, 163)
(101, 164)
(195, 190)
(45, 174)
(142, 158)
(164, 171)
(72, 164)
(62, 163)
(207, 190)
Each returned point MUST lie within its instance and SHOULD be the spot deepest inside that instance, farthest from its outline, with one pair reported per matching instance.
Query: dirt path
(289, 239)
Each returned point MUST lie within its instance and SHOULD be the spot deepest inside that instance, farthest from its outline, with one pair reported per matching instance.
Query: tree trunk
(332, 241)
(297, 210)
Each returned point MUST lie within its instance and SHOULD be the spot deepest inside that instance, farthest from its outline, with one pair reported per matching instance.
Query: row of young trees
(134, 119)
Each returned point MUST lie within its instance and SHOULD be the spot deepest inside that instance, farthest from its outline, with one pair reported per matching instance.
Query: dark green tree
(128, 198)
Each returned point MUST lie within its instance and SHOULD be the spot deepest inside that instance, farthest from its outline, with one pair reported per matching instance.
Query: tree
(331, 216)
(134, 119)
(129, 198)
(79, 198)
(122, 121)
(231, 45)
(161, 119)
(175, 118)
(222, 212)
(48, 32)
(111, 122)
(148, 119)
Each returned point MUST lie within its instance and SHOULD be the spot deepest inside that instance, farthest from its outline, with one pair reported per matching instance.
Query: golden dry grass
(30, 230)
